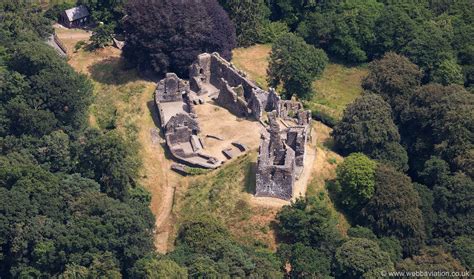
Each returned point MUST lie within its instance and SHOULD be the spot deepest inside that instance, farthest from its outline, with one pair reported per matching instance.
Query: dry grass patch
(224, 194)
(339, 86)
(254, 61)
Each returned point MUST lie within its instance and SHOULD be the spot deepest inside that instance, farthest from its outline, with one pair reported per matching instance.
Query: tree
(356, 177)
(438, 122)
(305, 261)
(448, 72)
(394, 209)
(430, 47)
(361, 258)
(109, 12)
(345, 29)
(249, 17)
(454, 204)
(291, 12)
(394, 78)
(393, 29)
(354, 33)
(101, 36)
(57, 96)
(361, 232)
(205, 246)
(310, 222)
(463, 249)
(431, 258)
(435, 172)
(426, 206)
(107, 159)
(168, 35)
(154, 267)
(295, 65)
(367, 127)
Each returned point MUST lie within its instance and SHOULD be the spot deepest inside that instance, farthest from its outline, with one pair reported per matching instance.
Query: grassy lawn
(225, 194)
(338, 86)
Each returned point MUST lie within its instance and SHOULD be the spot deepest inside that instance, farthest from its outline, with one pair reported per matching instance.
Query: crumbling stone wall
(213, 69)
(276, 164)
(296, 138)
(170, 89)
(233, 99)
(176, 111)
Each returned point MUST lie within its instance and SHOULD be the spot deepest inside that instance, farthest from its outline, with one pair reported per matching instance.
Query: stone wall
(275, 176)
(233, 101)
(213, 70)
(170, 89)
(179, 123)
(296, 138)
(276, 163)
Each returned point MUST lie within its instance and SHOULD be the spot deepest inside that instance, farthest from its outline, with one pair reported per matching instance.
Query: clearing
(228, 128)
(339, 86)
(123, 101)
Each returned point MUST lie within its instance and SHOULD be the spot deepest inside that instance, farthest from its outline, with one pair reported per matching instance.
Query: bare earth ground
(217, 121)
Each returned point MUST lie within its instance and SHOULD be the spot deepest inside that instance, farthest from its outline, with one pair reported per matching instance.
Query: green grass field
(339, 86)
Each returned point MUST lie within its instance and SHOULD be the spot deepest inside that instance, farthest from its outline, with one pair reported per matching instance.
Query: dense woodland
(71, 205)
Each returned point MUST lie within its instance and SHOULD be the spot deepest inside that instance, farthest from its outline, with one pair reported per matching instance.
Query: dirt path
(158, 178)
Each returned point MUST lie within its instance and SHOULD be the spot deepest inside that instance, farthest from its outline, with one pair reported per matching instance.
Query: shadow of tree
(112, 71)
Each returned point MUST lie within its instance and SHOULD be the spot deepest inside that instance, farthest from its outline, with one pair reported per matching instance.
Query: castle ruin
(283, 141)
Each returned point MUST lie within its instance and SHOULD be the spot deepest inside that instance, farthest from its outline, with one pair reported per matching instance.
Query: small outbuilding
(75, 17)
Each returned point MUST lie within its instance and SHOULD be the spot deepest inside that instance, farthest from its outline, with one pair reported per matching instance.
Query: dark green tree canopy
(249, 17)
(438, 122)
(108, 159)
(205, 246)
(295, 64)
(454, 205)
(394, 78)
(305, 261)
(367, 126)
(168, 35)
(394, 209)
(310, 222)
(431, 258)
(361, 258)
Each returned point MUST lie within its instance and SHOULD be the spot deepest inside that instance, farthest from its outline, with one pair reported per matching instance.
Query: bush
(324, 117)
(79, 45)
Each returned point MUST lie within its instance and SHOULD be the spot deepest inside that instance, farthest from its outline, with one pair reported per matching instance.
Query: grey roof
(76, 13)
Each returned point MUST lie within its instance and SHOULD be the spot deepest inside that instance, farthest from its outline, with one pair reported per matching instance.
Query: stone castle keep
(286, 125)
